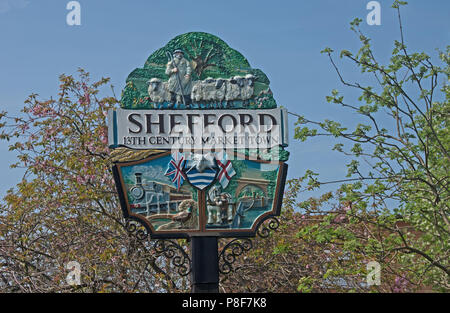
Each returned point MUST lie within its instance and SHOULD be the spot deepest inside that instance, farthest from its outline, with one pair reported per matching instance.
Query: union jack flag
(226, 171)
(175, 169)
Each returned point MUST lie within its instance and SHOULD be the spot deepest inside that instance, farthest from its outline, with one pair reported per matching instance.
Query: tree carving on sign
(199, 60)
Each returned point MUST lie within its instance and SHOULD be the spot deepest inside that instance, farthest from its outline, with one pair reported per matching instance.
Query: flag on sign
(175, 169)
(226, 171)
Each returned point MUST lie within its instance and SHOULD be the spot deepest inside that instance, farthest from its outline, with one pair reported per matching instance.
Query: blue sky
(283, 38)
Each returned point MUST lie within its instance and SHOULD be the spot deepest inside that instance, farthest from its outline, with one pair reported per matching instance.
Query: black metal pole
(205, 265)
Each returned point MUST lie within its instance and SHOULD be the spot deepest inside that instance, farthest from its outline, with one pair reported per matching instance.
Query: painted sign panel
(228, 197)
(152, 196)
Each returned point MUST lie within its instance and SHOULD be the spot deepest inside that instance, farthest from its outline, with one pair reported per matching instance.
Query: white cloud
(7, 5)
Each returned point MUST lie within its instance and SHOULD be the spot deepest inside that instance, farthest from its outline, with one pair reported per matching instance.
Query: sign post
(199, 149)
(205, 265)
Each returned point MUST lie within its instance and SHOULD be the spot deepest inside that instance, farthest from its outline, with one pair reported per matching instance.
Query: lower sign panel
(180, 195)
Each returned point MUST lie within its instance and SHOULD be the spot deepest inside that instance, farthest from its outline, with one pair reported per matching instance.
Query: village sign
(199, 142)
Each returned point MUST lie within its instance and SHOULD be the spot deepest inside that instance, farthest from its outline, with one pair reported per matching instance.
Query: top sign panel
(197, 71)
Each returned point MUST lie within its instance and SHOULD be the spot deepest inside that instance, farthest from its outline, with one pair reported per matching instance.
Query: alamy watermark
(74, 276)
(373, 273)
(74, 16)
(374, 16)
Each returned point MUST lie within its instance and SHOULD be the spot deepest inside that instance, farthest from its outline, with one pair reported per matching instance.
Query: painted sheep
(248, 88)
(158, 90)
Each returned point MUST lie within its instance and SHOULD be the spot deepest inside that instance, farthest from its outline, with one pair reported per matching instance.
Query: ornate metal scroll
(180, 259)
(267, 226)
(171, 250)
(230, 251)
(136, 229)
(238, 246)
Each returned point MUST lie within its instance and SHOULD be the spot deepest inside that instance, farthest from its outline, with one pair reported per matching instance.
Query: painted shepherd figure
(184, 70)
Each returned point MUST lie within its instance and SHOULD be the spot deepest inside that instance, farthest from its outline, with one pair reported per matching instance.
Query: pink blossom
(91, 147)
(104, 136)
(41, 111)
(339, 218)
(24, 127)
(400, 284)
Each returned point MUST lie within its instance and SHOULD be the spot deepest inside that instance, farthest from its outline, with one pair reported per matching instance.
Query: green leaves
(398, 3)
(399, 162)
(334, 97)
(345, 53)
(281, 248)
(305, 285)
(332, 127)
(352, 168)
(356, 22)
(327, 50)
(357, 149)
(303, 133)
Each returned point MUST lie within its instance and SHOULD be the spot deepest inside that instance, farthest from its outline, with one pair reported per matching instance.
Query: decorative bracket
(238, 246)
(169, 248)
(180, 259)
(230, 251)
